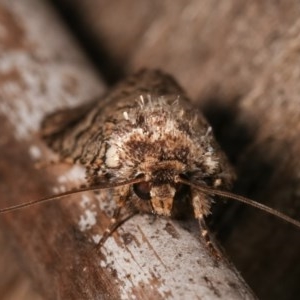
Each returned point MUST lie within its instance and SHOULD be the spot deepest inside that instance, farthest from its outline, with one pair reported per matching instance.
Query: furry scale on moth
(147, 141)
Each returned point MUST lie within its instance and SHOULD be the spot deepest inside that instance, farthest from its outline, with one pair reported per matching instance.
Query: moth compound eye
(142, 190)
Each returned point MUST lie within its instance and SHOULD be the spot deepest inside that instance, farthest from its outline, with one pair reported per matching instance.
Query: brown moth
(147, 141)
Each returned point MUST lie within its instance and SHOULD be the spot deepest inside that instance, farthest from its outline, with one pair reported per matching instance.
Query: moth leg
(121, 199)
(208, 241)
(115, 222)
(201, 206)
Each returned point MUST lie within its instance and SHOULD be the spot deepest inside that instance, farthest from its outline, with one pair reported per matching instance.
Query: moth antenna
(271, 211)
(101, 186)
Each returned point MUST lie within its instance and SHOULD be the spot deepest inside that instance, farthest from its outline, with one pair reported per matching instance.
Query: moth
(145, 140)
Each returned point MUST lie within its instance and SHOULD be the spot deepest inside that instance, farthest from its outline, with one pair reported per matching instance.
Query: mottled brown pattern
(153, 131)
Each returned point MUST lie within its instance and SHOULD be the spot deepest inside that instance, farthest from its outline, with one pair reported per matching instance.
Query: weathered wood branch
(41, 70)
(221, 51)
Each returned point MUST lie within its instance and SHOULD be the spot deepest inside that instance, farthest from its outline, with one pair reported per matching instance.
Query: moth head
(160, 196)
(159, 188)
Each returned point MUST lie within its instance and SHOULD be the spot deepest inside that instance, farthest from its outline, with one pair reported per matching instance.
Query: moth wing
(67, 131)
(143, 82)
(80, 134)
(59, 120)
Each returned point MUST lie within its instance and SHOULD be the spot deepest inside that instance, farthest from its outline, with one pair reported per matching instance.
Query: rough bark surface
(240, 61)
(41, 70)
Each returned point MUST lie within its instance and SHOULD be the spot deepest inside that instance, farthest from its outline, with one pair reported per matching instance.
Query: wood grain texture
(216, 49)
(238, 59)
(41, 70)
